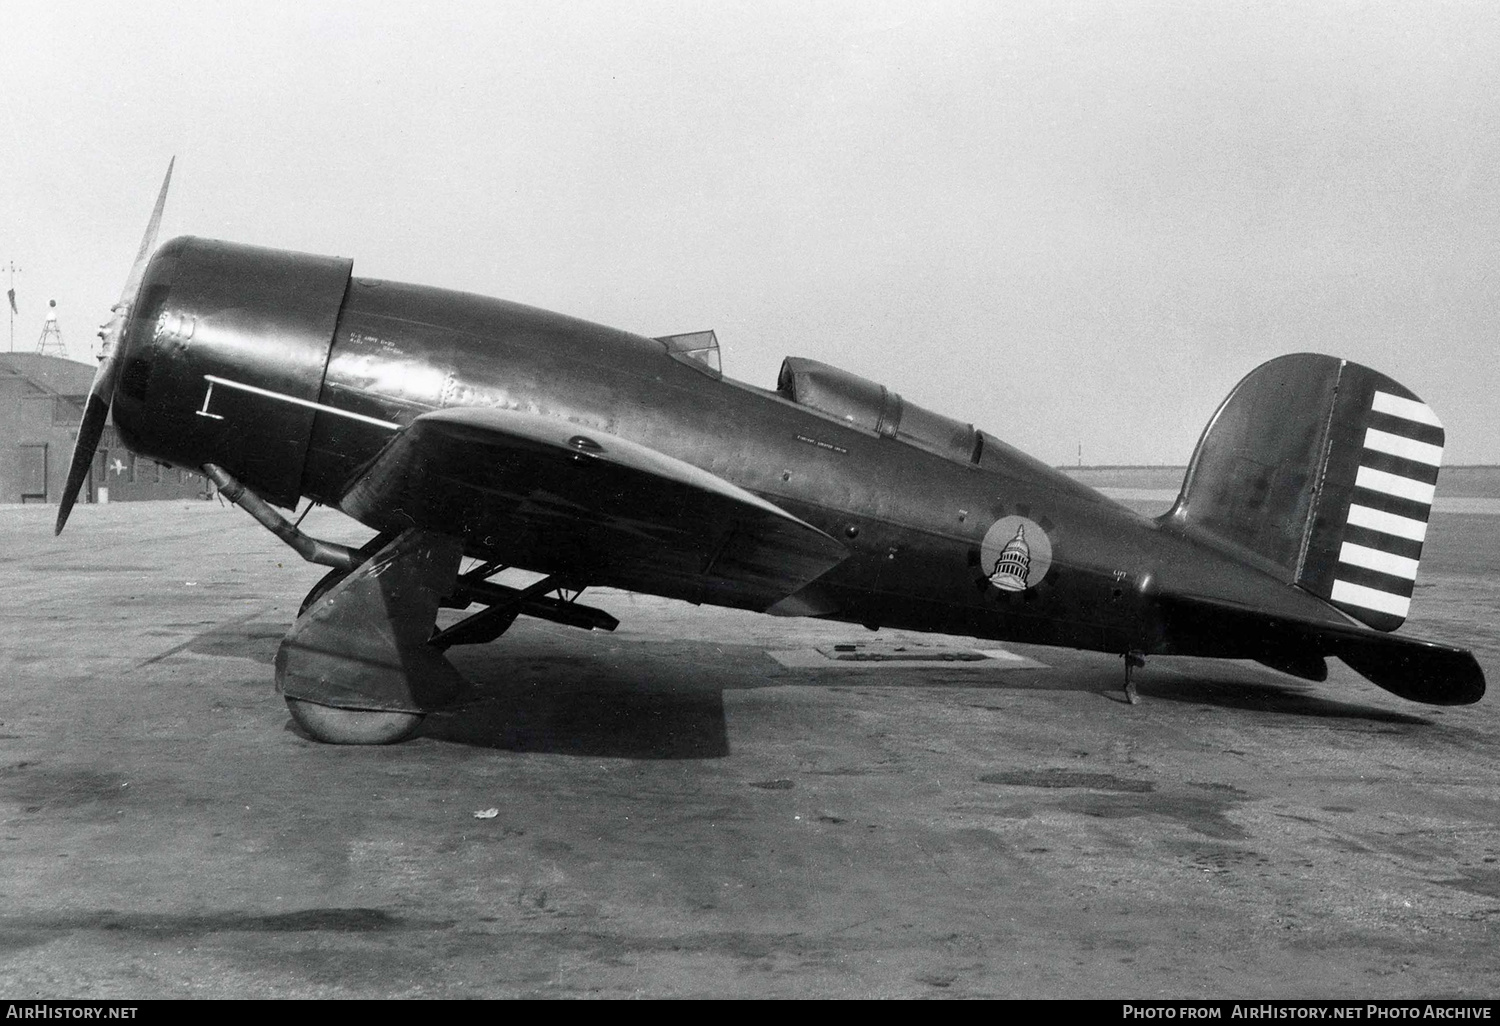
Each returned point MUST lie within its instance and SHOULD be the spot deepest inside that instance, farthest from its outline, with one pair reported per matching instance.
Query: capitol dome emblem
(1014, 565)
(1016, 554)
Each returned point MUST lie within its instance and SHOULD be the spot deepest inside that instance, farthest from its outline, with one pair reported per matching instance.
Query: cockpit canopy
(698, 349)
(865, 404)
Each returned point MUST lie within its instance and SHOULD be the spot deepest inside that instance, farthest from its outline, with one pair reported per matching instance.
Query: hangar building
(41, 402)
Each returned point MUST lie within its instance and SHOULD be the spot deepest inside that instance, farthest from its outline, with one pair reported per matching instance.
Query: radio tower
(51, 343)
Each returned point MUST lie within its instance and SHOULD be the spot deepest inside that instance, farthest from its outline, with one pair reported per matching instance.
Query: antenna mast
(11, 296)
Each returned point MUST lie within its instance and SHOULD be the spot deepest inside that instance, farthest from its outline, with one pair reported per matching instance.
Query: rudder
(1325, 470)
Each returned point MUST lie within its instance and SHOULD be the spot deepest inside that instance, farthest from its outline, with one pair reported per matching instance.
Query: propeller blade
(89, 430)
(120, 312)
(102, 391)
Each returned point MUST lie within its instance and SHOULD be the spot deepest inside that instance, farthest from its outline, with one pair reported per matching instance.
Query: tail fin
(1325, 470)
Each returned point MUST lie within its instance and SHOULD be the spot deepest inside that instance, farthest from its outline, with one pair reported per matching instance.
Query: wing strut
(489, 624)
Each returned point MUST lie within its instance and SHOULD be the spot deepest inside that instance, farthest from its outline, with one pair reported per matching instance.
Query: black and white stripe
(1391, 504)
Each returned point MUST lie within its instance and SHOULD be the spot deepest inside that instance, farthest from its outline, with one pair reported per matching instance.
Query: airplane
(460, 427)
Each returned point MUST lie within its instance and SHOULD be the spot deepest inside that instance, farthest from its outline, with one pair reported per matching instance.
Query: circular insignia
(1016, 554)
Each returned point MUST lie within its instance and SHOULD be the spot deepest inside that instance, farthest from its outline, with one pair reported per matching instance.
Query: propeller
(102, 391)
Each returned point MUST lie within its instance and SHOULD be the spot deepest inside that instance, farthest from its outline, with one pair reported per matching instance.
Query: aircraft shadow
(1202, 686)
(651, 705)
(613, 722)
(1263, 696)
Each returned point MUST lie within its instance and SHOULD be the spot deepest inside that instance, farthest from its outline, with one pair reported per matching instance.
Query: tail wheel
(335, 726)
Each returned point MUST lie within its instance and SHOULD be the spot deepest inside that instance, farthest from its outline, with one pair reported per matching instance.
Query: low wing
(547, 495)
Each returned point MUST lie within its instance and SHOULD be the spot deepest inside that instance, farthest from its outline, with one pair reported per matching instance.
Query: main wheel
(323, 587)
(353, 726)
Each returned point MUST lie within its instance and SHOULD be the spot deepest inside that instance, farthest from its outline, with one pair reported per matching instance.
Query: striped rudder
(1384, 449)
(1322, 471)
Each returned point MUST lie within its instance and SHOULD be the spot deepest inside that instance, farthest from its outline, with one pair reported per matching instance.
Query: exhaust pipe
(323, 553)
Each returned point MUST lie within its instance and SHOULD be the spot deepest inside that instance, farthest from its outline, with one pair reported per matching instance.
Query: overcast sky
(1073, 224)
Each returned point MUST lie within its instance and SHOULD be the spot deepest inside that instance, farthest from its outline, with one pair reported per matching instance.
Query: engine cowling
(225, 351)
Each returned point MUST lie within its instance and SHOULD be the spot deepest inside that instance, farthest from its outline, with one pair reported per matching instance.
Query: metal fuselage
(313, 373)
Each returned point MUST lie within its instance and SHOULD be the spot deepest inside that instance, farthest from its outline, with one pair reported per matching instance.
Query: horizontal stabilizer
(1296, 663)
(1421, 671)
